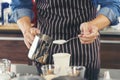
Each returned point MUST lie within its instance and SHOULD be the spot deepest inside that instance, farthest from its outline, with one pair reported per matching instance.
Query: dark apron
(61, 19)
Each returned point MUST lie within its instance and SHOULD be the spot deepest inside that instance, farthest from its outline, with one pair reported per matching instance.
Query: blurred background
(12, 46)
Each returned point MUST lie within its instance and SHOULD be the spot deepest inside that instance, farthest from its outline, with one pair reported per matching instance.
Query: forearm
(101, 22)
(28, 31)
(110, 9)
(24, 23)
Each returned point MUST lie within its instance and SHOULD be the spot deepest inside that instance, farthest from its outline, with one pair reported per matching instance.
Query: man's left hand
(89, 33)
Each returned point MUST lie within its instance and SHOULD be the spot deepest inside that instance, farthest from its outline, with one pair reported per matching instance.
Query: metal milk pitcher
(39, 48)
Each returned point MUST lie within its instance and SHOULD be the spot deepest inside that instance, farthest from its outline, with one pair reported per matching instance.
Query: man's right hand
(28, 31)
(29, 35)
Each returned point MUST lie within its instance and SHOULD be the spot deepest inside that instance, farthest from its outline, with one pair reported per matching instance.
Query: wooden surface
(15, 50)
(9, 27)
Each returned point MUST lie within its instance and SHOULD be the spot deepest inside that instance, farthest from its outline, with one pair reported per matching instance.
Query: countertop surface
(9, 27)
(109, 33)
(12, 28)
(24, 68)
(111, 30)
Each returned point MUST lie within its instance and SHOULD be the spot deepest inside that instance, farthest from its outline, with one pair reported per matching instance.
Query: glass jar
(4, 72)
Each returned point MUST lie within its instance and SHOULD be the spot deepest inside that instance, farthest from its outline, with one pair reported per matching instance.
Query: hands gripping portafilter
(39, 48)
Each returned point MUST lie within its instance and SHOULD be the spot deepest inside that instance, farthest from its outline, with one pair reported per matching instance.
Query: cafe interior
(16, 60)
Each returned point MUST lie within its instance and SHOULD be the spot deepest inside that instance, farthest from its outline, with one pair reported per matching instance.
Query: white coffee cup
(61, 60)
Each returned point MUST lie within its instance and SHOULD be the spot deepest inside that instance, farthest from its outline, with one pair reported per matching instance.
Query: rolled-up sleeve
(110, 9)
(21, 8)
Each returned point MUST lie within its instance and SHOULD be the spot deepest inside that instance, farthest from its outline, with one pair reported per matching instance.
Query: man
(65, 19)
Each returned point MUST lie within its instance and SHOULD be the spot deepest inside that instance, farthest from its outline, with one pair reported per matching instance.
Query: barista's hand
(29, 35)
(89, 33)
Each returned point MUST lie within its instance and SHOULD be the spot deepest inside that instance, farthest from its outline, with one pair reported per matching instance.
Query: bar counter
(9, 28)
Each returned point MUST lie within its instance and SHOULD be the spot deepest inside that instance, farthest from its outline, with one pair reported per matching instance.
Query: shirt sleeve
(110, 9)
(21, 8)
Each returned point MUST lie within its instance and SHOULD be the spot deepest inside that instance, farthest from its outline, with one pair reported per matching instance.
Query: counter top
(13, 28)
(110, 31)
(9, 27)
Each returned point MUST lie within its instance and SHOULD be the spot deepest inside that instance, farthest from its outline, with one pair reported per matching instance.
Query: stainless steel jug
(39, 48)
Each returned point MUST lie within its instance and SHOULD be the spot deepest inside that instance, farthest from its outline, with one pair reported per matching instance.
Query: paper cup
(61, 59)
